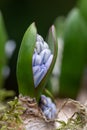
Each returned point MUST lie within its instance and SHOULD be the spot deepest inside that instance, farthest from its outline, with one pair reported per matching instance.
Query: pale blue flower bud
(48, 107)
(42, 59)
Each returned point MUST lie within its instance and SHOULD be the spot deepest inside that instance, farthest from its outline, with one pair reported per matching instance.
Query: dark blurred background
(19, 14)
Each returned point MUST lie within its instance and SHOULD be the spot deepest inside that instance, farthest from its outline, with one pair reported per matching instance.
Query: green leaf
(60, 25)
(54, 79)
(82, 4)
(74, 55)
(24, 62)
(3, 39)
(52, 41)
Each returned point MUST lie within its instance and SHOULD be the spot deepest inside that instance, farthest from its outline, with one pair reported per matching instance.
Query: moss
(5, 94)
(10, 118)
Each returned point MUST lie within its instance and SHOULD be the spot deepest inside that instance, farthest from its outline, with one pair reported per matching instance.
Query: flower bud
(42, 59)
(35, 61)
(48, 107)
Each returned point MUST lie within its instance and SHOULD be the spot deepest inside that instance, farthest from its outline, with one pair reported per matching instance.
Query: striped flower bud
(48, 107)
(42, 59)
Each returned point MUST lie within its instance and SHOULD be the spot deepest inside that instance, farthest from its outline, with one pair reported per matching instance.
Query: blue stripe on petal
(42, 54)
(45, 54)
(38, 77)
(34, 58)
(36, 69)
(48, 63)
(47, 113)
